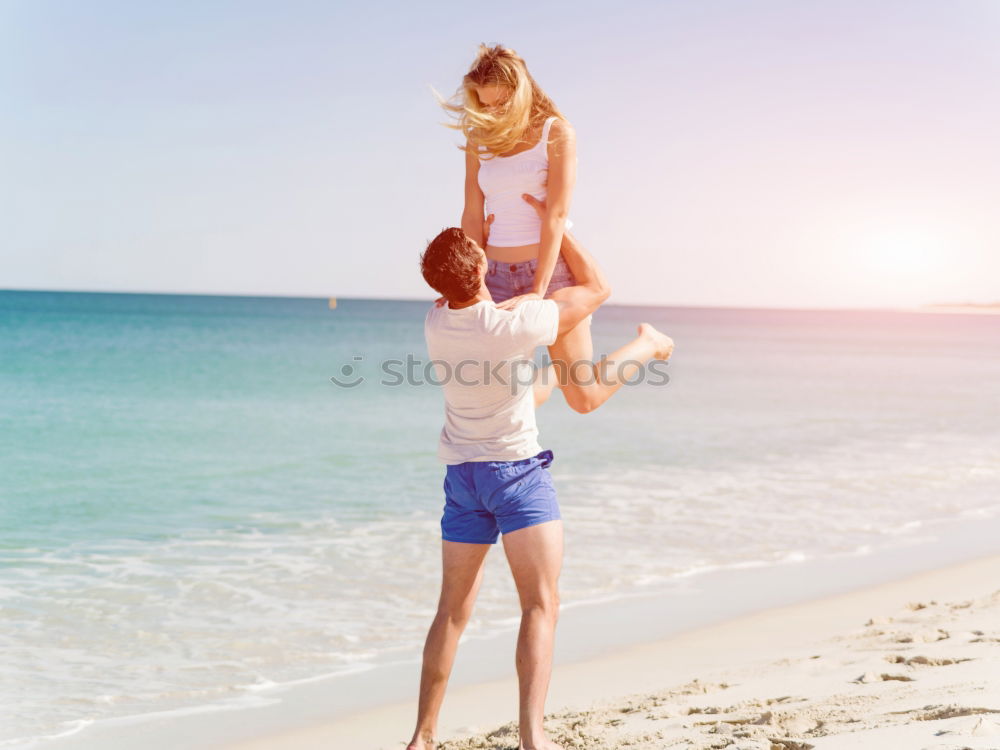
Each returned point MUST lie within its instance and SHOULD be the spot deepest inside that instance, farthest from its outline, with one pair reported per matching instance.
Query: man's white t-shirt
(483, 357)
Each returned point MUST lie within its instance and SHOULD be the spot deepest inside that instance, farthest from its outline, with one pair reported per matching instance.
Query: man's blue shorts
(486, 498)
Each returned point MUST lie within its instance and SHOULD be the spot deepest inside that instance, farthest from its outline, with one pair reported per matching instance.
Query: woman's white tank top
(503, 179)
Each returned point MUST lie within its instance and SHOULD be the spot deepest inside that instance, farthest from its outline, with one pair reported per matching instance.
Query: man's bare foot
(423, 741)
(544, 745)
(663, 343)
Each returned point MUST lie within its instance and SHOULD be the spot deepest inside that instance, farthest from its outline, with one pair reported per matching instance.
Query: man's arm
(591, 290)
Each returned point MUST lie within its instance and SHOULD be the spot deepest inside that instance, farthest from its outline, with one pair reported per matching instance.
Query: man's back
(482, 356)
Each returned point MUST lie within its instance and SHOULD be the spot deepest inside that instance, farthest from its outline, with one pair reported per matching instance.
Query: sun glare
(907, 253)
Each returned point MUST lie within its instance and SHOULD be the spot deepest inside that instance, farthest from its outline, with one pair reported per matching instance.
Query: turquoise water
(191, 509)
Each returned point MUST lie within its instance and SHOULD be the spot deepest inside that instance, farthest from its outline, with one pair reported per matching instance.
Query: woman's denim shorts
(506, 280)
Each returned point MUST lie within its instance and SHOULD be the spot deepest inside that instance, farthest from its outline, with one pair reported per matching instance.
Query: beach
(260, 390)
(876, 658)
(209, 542)
(912, 664)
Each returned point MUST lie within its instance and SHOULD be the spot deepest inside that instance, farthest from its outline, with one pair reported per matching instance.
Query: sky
(763, 153)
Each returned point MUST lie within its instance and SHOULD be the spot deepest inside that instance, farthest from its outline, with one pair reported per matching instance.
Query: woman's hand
(510, 304)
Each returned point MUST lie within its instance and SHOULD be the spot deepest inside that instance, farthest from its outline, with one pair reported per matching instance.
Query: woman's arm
(559, 192)
(472, 214)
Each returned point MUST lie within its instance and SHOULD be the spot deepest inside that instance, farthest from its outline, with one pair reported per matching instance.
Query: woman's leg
(587, 385)
(546, 380)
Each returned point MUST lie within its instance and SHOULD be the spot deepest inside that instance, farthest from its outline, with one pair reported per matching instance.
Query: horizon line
(892, 308)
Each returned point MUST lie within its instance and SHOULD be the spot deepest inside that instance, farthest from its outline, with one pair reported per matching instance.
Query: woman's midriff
(517, 254)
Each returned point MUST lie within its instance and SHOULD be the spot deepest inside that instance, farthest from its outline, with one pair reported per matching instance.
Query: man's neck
(483, 295)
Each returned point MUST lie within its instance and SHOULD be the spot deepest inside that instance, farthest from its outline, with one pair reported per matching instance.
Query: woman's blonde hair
(500, 130)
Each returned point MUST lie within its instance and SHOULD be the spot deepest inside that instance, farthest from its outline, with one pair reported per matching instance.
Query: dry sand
(926, 675)
(910, 665)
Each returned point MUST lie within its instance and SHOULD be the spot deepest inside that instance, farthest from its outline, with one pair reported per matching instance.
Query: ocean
(193, 511)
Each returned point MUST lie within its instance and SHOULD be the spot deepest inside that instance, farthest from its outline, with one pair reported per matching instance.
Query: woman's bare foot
(663, 344)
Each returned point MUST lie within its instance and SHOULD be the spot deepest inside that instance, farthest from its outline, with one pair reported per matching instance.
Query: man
(497, 478)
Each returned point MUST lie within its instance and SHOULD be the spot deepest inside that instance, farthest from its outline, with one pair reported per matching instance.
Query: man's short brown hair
(451, 265)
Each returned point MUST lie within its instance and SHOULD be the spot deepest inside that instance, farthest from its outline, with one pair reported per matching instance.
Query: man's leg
(535, 556)
(462, 573)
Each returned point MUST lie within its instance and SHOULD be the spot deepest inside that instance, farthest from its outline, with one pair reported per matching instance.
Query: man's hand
(540, 208)
(538, 205)
(486, 231)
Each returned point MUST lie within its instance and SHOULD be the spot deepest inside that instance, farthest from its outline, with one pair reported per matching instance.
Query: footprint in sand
(868, 677)
(936, 713)
(923, 636)
(786, 743)
(984, 639)
(922, 660)
(973, 726)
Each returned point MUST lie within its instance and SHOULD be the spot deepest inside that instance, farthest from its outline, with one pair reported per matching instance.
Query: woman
(518, 143)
